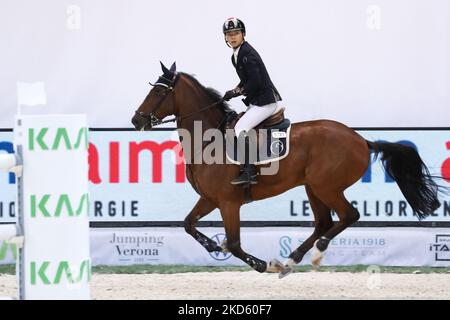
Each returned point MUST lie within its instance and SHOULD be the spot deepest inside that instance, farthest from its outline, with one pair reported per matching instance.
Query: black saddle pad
(272, 145)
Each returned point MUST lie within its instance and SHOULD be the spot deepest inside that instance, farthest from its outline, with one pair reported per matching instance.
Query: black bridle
(169, 85)
(150, 117)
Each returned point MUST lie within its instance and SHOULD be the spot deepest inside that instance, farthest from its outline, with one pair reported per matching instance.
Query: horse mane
(212, 93)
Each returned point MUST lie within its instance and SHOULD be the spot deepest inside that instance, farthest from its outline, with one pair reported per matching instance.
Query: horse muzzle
(141, 123)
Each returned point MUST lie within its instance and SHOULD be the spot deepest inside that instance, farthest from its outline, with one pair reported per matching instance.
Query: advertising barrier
(365, 246)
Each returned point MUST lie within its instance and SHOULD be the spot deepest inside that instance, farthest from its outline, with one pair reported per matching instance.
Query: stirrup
(245, 178)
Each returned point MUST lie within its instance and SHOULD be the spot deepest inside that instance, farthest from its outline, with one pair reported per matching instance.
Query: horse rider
(261, 96)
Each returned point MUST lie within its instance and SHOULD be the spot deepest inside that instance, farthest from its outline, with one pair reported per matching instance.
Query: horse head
(159, 102)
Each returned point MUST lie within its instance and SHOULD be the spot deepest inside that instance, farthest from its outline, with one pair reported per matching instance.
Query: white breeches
(254, 116)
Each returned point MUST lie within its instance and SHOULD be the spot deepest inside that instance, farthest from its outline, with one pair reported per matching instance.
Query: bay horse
(325, 156)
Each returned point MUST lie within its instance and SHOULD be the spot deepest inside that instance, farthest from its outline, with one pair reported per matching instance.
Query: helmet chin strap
(227, 42)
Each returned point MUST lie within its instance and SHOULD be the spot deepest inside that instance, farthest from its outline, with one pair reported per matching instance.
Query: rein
(179, 118)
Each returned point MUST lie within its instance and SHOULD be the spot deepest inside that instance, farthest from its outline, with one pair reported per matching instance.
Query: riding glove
(232, 94)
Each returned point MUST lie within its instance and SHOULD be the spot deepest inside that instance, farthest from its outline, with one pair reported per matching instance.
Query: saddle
(271, 145)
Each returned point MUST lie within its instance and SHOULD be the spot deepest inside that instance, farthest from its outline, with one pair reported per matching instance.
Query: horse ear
(164, 69)
(173, 68)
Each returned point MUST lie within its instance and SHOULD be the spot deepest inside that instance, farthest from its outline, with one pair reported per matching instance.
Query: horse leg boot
(253, 262)
(247, 173)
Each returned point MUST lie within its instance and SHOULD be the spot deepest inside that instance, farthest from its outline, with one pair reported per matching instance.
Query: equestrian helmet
(232, 24)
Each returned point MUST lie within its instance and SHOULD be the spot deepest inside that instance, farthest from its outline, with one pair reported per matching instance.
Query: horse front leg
(231, 221)
(201, 209)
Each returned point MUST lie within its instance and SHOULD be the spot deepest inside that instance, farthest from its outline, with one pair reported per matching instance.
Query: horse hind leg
(347, 215)
(322, 223)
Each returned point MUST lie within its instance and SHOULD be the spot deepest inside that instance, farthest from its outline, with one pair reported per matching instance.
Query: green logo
(40, 139)
(4, 250)
(64, 205)
(72, 273)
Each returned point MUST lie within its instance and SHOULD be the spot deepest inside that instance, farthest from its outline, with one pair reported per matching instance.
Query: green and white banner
(56, 260)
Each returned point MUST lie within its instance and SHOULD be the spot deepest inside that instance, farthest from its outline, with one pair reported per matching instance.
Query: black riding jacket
(255, 81)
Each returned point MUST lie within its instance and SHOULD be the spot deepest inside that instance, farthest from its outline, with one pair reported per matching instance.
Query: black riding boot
(247, 172)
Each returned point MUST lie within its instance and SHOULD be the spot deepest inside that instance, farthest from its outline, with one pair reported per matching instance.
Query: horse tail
(405, 166)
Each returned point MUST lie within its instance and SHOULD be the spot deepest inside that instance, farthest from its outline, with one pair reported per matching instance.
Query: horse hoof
(285, 272)
(274, 266)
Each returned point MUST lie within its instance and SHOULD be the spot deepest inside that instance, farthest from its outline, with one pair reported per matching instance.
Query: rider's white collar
(236, 52)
